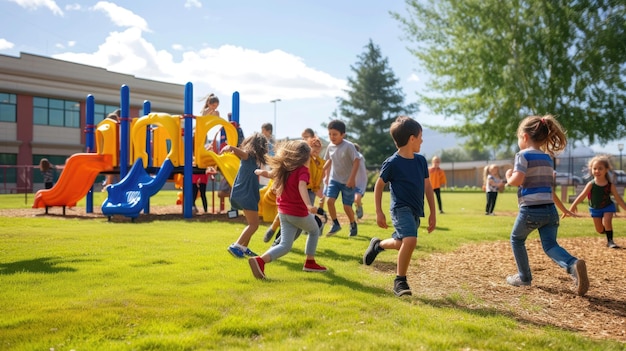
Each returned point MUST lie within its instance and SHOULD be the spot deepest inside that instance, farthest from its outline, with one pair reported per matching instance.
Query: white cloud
(413, 78)
(72, 7)
(121, 16)
(5, 44)
(258, 76)
(36, 4)
(69, 44)
(177, 47)
(193, 3)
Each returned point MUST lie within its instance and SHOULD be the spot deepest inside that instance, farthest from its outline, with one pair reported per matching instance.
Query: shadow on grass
(148, 217)
(330, 277)
(37, 265)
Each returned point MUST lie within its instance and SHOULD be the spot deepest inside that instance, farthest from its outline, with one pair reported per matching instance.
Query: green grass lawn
(88, 284)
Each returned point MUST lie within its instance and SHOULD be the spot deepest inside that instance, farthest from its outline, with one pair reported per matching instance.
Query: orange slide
(77, 177)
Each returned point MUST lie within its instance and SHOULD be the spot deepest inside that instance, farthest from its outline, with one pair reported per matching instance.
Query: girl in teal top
(599, 192)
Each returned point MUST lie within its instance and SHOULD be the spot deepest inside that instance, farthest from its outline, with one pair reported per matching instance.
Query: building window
(56, 112)
(8, 169)
(8, 107)
(101, 111)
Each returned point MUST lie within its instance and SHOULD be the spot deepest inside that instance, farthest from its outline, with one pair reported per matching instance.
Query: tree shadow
(37, 265)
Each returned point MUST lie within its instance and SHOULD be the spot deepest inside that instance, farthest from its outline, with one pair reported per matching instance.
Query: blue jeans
(545, 218)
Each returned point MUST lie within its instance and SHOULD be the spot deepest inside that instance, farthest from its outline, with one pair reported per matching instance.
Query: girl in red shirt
(291, 175)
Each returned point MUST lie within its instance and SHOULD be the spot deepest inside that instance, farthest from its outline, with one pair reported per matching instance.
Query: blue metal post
(125, 126)
(146, 110)
(188, 139)
(89, 143)
(235, 116)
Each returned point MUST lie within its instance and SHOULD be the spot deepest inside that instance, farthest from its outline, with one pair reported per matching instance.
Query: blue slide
(129, 196)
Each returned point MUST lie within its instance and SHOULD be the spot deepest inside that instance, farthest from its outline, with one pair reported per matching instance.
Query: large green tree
(494, 62)
(374, 100)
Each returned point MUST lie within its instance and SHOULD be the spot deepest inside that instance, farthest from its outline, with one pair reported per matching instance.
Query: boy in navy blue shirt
(406, 171)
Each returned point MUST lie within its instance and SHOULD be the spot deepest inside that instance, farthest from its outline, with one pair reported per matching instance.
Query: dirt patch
(473, 277)
(157, 213)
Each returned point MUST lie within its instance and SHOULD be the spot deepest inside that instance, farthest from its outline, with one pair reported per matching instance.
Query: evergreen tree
(374, 101)
(494, 62)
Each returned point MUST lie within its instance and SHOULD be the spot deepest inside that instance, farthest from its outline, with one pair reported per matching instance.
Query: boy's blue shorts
(404, 222)
(599, 212)
(334, 188)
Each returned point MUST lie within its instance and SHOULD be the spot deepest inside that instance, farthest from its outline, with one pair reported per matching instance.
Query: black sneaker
(353, 229)
(371, 252)
(269, 234)
(401, 287)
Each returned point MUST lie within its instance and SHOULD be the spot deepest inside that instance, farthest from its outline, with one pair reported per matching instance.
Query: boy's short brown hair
(338, 126)
(402, 129)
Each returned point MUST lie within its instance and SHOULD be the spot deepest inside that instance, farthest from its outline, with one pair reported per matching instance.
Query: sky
(300, 52)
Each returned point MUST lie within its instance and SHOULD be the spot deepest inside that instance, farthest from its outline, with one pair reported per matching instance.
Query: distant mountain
(435, 142)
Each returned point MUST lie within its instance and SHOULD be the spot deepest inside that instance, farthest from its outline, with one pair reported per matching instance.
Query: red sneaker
(258, 267)
(312, 266)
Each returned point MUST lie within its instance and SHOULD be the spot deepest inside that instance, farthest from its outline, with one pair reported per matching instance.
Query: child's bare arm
(515, 178)
(381, 220)
(560, 205)
(262, 172)
(430, 198)
(304, 194)
(355, 168)
(580, 197)
(235, 150)
(617, 197)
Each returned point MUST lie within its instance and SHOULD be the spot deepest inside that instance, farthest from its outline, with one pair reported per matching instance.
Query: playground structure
(158, 147)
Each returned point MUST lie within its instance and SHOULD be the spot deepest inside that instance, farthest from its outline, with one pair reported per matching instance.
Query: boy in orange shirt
(437, 179)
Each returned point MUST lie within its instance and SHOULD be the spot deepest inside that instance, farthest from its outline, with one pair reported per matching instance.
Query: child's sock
(609, 235)
(336, 221)
(243, 248)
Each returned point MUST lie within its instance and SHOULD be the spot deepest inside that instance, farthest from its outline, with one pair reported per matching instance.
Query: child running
(291, 175)
(340, 169)
(316, 172)
(407, 173)
(245, 191)
(599, 191)
(539, 139)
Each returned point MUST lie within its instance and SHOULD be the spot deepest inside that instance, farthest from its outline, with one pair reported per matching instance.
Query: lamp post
(620, 147)
(274, 126)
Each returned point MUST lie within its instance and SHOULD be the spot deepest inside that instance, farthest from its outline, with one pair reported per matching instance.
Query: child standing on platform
(341, 167)
(407, 173)
(599, 191)
(291, 175)
(539, 139)
(210, 106)
(245, 190)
